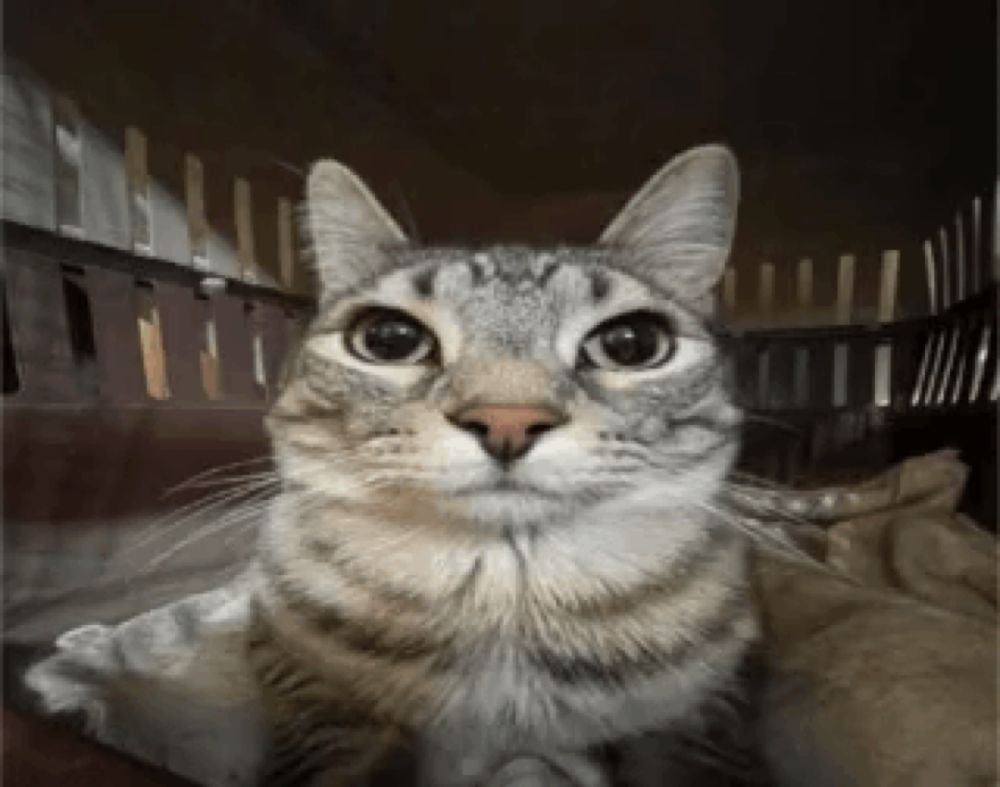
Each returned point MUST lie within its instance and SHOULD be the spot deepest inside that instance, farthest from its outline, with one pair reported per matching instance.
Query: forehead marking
(600, 285)
(423, 281)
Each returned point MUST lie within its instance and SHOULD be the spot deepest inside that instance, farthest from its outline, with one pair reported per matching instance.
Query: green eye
(389, 336)
(640, 340)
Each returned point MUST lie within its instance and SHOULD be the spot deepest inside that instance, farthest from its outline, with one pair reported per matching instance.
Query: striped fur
(411, 593)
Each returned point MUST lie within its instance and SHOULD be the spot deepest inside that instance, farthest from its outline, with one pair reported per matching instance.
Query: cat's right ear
(348, 230)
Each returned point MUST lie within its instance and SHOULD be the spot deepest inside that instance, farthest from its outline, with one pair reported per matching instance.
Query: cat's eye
(640, 340)
(389, 336)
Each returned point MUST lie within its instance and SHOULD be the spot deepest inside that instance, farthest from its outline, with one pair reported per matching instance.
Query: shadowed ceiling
(859, 124)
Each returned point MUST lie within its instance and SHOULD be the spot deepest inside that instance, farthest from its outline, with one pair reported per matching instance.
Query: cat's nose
(507, 431)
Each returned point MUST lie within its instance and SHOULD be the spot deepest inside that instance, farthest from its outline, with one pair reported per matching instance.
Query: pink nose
(507, 431)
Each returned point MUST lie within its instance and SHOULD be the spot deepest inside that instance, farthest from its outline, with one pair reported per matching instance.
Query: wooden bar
(197, 219)
(286, 243)
(39, 330)
(960, 261)
(843, 314)
(980, 361)
(930, 271)
(137, 180)
(243, 206)
(888, 286)
(977, 244)
(804, 284)
(946, 291)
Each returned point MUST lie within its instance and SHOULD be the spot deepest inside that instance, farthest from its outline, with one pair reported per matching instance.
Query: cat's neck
(610, 546)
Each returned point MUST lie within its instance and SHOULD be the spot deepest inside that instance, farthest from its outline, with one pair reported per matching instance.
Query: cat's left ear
(348, 229)
(678, 229)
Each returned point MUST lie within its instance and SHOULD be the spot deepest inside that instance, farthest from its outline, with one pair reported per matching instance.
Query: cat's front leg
(323, 746)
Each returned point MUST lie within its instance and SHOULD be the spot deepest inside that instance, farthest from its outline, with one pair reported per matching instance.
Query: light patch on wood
(930, 272)
(211, 373)
(154, 361)
(946, 299)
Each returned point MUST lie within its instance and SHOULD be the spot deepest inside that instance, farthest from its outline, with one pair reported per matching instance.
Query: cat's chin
(506, 506)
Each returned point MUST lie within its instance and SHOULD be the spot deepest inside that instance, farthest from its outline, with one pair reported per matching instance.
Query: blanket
(879, 610)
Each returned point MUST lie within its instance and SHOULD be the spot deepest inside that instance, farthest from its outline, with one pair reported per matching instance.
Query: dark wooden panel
(116, 334)
(39, 328)
(235, 349)
(182, 323)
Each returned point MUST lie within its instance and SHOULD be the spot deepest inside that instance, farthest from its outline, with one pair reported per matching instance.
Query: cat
(498, 537)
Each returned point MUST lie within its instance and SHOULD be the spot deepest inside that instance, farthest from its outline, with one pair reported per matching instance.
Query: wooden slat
(930, 274)
(960, 260)
(286, 243)
(137, 180)
(888, 284)
(39, 329)
(804, 285)
(980, 362)
(946, 273)
(843, 313)
(154, 361)
(976, 247)
(197, 219)
(243, 207)
(845, 289)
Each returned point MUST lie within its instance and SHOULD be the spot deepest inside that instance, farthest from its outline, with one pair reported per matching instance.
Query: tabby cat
(498, 538)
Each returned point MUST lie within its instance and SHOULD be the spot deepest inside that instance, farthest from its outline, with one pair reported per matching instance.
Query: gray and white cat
(498, 538)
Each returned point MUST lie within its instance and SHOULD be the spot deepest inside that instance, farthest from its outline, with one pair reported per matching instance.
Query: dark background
(859, 124)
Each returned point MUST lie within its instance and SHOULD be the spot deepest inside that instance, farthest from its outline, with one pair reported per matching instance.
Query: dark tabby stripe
(600, 286)
(617, 667)
(423, 281)
(682, 574)
(371, 637)
(477, 271)
(328, 553)
(550, 270)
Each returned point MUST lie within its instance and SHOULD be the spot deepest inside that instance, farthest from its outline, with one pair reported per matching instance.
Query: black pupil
(392, 339)
(631, 343)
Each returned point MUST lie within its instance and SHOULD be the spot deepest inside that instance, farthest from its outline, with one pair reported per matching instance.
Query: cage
(153, 281)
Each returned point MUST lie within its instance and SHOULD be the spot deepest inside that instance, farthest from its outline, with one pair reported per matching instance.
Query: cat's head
(511, 386)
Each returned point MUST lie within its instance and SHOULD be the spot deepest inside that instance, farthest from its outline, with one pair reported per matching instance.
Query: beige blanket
(881, 648)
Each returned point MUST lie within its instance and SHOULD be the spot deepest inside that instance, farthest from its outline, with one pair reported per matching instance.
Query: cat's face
(510, 386)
